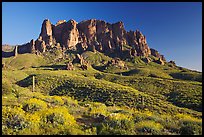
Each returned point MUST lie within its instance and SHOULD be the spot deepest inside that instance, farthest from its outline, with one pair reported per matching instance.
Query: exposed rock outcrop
(70, 66)
(46, 32)
(94, 35)
(32, 46)
(156, 54)
(79, 59)
(172, 63)
(117, 62)
(160, 61)
(40, 45)
(70, 34)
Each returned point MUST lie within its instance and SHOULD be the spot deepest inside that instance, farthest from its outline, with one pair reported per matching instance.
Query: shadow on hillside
(26, 82)
(100, 68)
(129, 73)
(7, 54)
(53, 67)
(176, 99)
(187, 76)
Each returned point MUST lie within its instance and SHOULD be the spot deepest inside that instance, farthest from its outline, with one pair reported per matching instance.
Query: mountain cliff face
(93, 35)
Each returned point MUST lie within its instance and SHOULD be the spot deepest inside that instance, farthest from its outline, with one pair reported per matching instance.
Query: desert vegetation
(145, 99)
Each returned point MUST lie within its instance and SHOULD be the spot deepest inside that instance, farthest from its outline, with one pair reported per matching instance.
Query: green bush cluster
(191, 128)
(117, 124)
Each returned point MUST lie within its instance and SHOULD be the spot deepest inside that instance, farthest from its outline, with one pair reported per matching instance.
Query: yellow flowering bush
(98, 108)
(57, 100)
(56, 120)
(39, 95)
(13, 120)
(33, 105)
(148, 113)
(33, 120)
(186, 117)
(57, 115)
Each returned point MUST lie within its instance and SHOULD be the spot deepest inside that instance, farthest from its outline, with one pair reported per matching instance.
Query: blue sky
(173, 28)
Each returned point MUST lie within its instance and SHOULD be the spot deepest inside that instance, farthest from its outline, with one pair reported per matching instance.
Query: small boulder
(70, 66)
(117, 63)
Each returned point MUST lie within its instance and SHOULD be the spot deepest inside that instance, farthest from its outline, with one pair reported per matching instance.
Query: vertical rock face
(57, 30)
(143, 48)
(119, 32)
(131, 38)
(138, 41)
(46, 29)
(40, 45)
(94, 35)
(32, 46)
(70, 34)
(46, 32)
(89, 29)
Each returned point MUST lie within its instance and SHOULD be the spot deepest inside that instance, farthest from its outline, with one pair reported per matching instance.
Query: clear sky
(172, 28)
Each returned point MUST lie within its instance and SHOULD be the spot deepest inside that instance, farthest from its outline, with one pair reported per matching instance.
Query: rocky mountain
(93, 35)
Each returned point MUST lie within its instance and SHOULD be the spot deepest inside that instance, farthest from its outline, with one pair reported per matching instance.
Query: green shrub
(191, 129)
(117, 124)
(188, 76)
(97, 108)
(68, 101)
(149, 127)
(116, 127)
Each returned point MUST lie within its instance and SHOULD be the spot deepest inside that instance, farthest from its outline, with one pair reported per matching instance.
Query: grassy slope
(23, 61)
(151, 81)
